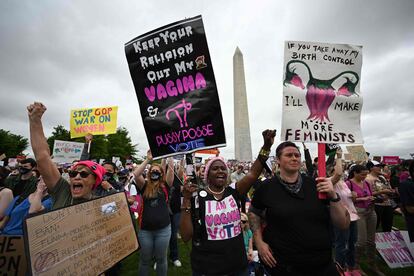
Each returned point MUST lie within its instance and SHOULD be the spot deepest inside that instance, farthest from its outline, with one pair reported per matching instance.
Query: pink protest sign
(391, 160)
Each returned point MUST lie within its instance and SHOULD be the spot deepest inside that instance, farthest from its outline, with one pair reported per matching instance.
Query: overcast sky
(70, 54)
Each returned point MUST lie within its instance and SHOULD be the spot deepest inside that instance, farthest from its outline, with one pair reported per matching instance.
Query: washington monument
(242, 142)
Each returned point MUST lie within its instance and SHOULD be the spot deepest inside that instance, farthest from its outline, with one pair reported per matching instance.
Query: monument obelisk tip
(242, 141)
(238, 52)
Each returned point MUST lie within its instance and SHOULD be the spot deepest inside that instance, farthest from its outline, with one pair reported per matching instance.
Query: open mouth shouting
(77, 189)
(81, 183)
(221, 178)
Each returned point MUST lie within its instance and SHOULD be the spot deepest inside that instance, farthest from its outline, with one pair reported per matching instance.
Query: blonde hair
(246, 226)
(152, 188)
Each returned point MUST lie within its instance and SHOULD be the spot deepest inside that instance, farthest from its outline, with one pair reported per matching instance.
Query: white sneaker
(155, 266)
(177, 263)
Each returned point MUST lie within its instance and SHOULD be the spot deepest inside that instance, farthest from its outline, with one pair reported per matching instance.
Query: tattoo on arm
(254, 221)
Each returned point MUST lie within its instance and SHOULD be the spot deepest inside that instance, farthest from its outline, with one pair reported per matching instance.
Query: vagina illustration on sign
(321, 93)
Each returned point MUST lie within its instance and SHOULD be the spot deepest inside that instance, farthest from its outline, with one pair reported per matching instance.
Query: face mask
(155, 175)
(108, 176)
(23, 170)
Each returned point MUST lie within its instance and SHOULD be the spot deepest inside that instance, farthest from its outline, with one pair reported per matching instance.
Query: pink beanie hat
(217, 158)
(97, 169)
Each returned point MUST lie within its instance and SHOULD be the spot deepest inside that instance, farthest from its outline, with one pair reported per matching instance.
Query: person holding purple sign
(212, 219)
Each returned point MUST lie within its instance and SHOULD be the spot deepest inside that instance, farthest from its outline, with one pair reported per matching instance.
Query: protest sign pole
(89, 146)
(321, 166)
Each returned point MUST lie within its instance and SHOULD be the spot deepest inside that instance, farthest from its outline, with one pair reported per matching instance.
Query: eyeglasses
(82, 174)
(244, 221)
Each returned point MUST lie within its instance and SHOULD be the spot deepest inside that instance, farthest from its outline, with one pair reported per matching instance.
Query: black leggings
(385, 216)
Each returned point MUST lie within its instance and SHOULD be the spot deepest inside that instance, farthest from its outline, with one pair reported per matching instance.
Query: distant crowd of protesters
(242, 217)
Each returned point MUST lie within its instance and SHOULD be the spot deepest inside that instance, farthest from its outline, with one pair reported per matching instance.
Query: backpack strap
(196, 202)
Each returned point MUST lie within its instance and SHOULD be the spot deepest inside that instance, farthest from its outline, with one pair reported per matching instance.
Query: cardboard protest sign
(321, 93)
(66, 151)
(393, 249)
(12, 256)
(348, 156)
(83, 239)
(176, 89)
(97, 121)
(391, 160)
(358, 153)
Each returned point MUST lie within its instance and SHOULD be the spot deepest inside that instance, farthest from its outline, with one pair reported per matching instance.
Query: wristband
(264, 152)
(337, 199)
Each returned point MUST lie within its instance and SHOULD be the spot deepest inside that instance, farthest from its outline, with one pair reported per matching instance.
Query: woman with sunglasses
(154, 216)
(84, 176)
(212, 217)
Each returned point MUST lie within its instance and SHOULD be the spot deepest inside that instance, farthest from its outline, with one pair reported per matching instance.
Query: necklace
(215, 193)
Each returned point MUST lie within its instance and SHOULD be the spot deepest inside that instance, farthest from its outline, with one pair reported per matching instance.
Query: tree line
(103, 146)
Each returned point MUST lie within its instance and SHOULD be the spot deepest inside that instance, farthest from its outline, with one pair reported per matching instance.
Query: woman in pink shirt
(363, 201)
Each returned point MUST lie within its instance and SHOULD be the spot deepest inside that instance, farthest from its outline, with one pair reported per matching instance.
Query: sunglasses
(244, 221)
(82, 174)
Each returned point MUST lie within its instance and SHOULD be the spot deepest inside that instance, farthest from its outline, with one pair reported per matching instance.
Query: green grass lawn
(130, 264)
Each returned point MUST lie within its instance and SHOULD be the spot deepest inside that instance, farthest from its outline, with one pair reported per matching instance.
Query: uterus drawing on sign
(185, 106)
(321, 93)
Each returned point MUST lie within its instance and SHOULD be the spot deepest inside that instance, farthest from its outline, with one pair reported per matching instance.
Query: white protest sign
(83, 239)
(393, 249)
(12, 162)
(408, 242)
(321, 93)
(66, 152)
